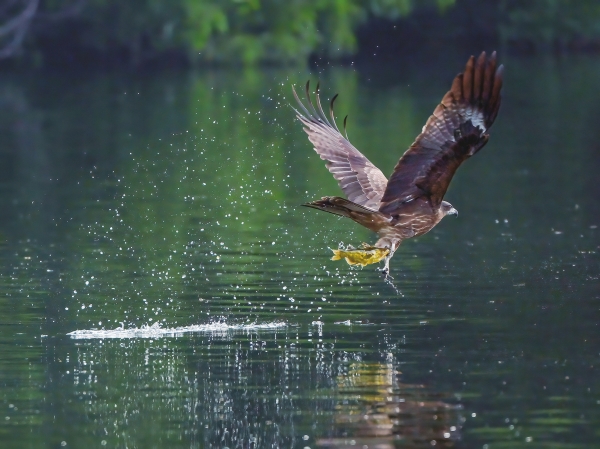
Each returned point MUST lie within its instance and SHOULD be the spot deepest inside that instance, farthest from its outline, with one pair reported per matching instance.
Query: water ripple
(155, 330)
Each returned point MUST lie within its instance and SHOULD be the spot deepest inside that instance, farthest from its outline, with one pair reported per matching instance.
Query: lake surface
(160, 287)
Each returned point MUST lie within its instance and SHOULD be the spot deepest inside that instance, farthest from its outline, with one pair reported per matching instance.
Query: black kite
(410, 203)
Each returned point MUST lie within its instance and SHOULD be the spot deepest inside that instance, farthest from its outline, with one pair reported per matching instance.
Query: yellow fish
(362, 256)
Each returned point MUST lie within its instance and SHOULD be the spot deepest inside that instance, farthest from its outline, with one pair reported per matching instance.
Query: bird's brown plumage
(454, 132)
(410, 203)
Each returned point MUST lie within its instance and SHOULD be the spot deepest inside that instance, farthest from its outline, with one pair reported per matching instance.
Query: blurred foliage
(283, 31)
(250, 31)
(241, 30)
(550, 23)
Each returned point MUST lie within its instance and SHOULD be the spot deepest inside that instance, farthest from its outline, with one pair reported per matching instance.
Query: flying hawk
(410, 203)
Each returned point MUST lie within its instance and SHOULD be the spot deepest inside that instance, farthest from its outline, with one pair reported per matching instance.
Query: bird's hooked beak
(453, 212)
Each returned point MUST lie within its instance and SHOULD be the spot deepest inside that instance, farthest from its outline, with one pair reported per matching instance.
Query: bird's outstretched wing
(456, 130)
(359, 179)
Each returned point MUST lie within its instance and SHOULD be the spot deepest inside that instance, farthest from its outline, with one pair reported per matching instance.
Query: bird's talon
(385, 272)
(386, 275)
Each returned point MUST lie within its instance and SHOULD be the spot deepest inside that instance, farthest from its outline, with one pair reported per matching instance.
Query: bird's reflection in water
(376, 410)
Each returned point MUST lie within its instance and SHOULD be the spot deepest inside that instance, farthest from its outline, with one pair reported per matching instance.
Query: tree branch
(18, 26)
(14, 30)
(22, 20)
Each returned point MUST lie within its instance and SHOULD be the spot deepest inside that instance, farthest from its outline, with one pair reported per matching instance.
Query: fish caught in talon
(364, 256)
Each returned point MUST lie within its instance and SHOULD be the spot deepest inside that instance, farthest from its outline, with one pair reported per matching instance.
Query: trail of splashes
(155, 331)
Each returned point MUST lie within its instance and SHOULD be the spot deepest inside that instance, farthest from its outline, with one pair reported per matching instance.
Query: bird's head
(447, 209)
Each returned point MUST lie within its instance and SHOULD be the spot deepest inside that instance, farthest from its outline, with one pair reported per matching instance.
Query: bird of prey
(410, 203)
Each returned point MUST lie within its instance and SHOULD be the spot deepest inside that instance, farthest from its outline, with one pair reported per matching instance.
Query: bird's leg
(386, 267)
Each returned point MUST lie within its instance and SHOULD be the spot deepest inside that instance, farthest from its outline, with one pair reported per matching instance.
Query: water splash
(156, 331)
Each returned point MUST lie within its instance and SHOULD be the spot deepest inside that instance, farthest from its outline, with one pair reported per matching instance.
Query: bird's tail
(338, 206)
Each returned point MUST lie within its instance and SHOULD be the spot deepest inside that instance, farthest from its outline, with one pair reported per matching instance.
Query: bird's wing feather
(361, 181)
(456, 130)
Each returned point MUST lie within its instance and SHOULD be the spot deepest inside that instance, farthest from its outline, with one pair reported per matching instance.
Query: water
(161, 288)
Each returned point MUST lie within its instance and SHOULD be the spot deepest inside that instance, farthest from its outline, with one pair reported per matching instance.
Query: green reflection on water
(173, 198)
